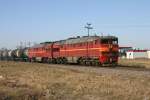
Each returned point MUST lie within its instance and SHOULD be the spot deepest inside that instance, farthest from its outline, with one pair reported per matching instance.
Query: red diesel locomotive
(87, 50)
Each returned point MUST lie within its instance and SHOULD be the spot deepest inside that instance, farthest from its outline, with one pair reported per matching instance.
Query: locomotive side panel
(40, 53)
(103, 50)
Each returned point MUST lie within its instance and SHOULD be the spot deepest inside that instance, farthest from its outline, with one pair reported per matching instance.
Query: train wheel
(57, 61)
(49, 61)
(60, 61)
(93, 63)
(87, 63)
(54, 61)
(97, 64)
(64, 61)
(82, 62)
(33, 60)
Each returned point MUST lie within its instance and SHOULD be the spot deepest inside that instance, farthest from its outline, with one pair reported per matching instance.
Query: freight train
(86, 50)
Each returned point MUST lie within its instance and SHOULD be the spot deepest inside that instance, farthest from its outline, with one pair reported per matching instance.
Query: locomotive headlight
(110, 59)
(110, 46)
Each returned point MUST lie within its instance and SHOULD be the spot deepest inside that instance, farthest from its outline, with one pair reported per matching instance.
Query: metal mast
(88, 27)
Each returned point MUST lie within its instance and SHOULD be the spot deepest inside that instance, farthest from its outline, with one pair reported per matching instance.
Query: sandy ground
(36, 81)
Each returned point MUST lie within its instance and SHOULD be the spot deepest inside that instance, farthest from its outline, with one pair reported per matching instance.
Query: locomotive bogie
(72, 59)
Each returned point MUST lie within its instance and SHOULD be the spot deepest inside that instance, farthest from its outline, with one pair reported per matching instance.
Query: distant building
(123, 50)
(148, 54)
(135, 54)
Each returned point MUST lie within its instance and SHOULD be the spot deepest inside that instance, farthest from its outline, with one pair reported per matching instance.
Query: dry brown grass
(143, 63)
(34, 81)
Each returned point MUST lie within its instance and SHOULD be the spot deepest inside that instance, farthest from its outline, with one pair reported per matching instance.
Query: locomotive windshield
(109, 41)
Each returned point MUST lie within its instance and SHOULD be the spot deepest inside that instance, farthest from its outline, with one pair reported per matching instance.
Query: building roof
(124, 47)
(137, 51)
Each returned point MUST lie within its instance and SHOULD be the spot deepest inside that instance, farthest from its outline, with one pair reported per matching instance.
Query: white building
(134, 54)
(148, 54)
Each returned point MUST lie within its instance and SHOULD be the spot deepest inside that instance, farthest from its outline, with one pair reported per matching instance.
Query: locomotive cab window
(104, 41)
(115, 41)
(109, 41)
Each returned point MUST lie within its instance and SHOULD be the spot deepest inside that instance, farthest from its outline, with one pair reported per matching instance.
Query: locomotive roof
(81, 39)
(38, 45)
(86, 39)
(75, 40)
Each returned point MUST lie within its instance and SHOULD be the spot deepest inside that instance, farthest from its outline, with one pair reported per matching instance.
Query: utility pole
(29, 44)
(21, 45)
(88, 27)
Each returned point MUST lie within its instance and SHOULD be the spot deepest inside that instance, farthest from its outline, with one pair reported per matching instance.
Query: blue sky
(47, 20)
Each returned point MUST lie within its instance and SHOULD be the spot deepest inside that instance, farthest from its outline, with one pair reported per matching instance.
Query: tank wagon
(4, 54)
(21, 54)
(86, 50)
(15, 55)
(11, 55)
(1, 54)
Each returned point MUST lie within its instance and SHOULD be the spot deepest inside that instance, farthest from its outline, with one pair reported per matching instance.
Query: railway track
(136, 68)
(98, 69)
(120, 69)
(123, 67)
